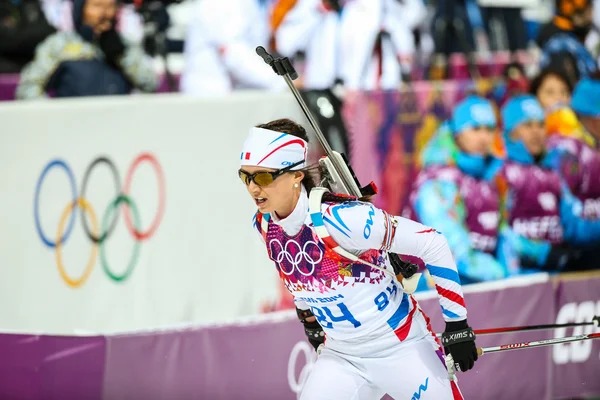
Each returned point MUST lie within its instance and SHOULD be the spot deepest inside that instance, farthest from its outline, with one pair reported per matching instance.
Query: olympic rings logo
(109, 220)
(300, 254)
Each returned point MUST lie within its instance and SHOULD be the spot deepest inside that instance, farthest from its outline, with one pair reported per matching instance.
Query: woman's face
(476, 141)
(533, 135)
(280, 196)
(552, 91)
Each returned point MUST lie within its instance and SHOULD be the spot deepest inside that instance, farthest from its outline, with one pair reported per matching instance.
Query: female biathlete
(375, 338)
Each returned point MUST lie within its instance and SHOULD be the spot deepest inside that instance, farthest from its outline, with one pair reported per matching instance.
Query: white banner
(162, 230)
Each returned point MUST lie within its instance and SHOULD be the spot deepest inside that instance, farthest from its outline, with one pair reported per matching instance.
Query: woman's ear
(298, 176)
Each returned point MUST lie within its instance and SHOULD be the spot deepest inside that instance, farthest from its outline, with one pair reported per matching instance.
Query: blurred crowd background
(206, 47)
(509, 172)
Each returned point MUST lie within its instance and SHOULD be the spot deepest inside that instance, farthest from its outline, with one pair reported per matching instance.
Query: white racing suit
(377, 339)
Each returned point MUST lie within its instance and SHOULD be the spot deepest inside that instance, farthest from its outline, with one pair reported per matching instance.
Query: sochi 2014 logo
(97, 231)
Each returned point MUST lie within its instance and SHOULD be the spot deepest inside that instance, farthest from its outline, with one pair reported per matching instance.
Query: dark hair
(514, 65)
(312, 174)
(536, 83)
(290, 127)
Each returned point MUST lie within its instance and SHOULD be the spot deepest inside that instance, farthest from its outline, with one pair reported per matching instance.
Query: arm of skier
(362, 227)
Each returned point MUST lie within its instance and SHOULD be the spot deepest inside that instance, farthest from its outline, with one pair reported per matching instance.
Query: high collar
(293, 222)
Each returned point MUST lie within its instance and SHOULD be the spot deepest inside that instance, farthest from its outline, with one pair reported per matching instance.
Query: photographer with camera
(90, 60)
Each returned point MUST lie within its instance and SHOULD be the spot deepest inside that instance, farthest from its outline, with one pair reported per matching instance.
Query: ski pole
(595, 321)
(452, 368)
(536, 343)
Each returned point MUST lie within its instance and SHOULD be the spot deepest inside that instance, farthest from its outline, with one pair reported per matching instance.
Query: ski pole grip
(265, 56)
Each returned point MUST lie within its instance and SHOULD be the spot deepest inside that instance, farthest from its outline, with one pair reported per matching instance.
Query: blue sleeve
(576, 230)
(436, 205)
(522, 248)
(506, 252)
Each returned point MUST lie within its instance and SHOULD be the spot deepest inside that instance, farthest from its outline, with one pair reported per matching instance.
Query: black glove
(405, 268)
(313, 330)
(459, 341)
(112, 46)
(315, 333)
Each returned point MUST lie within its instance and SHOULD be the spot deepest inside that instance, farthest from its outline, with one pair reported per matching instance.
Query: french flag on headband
(270, 149)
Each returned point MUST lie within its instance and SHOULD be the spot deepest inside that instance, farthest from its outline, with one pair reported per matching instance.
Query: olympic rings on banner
(136, 248)
(96, 235)
(299, 258)
(61, 225)
(36, 205)
(161, 193)
(84, 183)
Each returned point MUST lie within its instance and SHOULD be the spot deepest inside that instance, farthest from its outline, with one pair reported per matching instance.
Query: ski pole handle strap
(464, 335)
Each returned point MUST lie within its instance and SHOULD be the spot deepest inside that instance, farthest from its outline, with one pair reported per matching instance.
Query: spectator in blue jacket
(457, 193)
(90, 60)
(548, 231)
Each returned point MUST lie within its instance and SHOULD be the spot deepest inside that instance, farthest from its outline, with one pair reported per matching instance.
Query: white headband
(270, 149)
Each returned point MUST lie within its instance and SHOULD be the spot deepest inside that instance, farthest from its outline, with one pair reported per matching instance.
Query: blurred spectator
(312, 27)
(424, 45)
(91, 60)
(572, 16)
(220, 48)
(580, 157)
(586, 104)
(456, 192)
(547, 230)
(551, 87)
(506, 28)
(367, 44)
(180, 17)
(23, 26)
(514, 82)
(280, 9)
(452, 31)
(563, 40)
(129, 23)
(592, 41)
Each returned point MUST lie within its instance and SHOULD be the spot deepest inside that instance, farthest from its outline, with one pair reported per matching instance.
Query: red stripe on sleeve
(450, 295)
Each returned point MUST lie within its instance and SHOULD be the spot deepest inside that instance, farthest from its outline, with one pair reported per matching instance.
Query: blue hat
(472, 112)
(586, 98)
(519, 110)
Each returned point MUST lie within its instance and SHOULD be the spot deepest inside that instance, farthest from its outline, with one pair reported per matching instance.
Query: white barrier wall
(193, 256)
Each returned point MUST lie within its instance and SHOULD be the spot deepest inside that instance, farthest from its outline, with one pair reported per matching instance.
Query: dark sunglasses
(265, 178)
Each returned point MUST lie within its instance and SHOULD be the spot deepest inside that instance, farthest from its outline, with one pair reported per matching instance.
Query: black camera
(156, 22)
